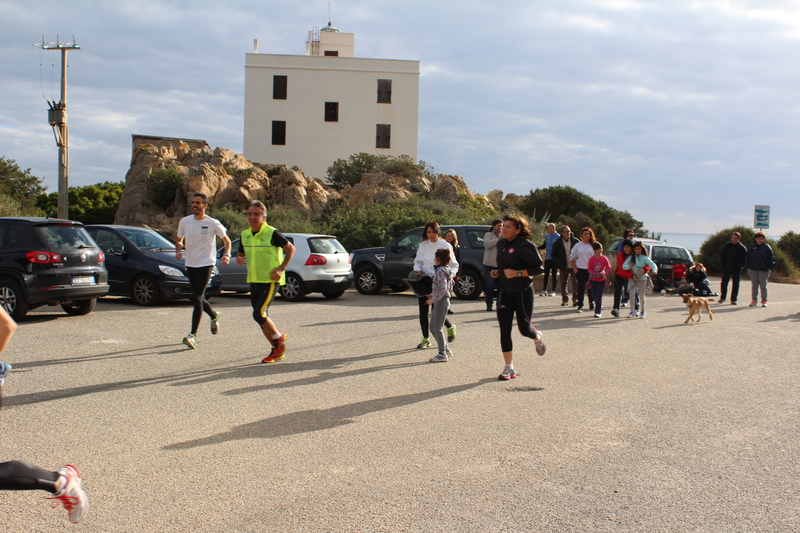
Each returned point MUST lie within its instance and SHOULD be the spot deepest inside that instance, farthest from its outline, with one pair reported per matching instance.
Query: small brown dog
(694, 305)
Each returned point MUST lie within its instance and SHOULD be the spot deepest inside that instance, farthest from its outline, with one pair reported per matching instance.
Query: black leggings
(423, 317)
(261, 295)
(510, 303)
(21, 475)
(583, 277)
(198, 279)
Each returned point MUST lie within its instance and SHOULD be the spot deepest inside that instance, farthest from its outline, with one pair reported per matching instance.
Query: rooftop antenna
(57, 115)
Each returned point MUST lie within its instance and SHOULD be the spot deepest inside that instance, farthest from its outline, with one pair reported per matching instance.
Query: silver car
(320, 264)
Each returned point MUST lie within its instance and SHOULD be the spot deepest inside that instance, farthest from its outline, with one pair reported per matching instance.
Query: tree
(566, 204)
(90, 204)
(350, 171)
(712, 247)
(20, 186)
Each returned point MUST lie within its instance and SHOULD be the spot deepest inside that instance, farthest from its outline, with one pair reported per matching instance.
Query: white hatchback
(320, 264)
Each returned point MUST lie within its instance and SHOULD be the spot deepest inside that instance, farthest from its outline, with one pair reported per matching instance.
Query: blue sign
(761, 220)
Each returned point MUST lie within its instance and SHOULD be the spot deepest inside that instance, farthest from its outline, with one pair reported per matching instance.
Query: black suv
(46, 261)
(376, 267)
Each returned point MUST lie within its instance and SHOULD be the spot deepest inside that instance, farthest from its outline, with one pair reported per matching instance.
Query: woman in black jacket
(760, 261)
(517, 260)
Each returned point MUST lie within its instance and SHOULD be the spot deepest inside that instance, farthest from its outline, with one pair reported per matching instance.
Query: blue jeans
(491, 284)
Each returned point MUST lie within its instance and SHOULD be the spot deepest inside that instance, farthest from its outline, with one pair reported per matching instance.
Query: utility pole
(57, 115)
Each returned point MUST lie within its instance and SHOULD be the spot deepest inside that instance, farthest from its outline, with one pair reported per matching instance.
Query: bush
(712, 247)
(234, 220)
(90, 204)
(350, 171)
(161, 186)
(789, 244)
(288, 220)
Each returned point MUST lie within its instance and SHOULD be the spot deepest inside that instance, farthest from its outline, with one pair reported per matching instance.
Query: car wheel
(145, 291)
(368, 281)
(332, 295)
(469, 285)
(398, 288)
(80, 307)
(294, 290)
(12, 299)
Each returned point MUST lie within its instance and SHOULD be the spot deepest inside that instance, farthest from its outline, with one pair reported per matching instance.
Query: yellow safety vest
(262, 256)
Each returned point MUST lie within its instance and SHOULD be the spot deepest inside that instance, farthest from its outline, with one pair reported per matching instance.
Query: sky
(683, 113)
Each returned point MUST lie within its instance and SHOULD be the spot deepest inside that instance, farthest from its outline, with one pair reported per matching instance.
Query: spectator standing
(560, 256)
(640, 265)
(733, 259)
(440, 300)
(199, 232)
(550, 238)
(267, 253)
(490, 260)
(424, 266)
(579, 259)
(621, 276)
(760, 262)
(599, 269)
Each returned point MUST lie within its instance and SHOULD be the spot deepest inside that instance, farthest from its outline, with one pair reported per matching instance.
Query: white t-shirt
(199, 240)
(581, 253)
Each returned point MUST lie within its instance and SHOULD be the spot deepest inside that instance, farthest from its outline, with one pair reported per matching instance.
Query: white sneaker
(71, 495)
(632, 314)
(540, 346)
(551, 293)
(542, 293)
(439, 358)
(597, 315)
(642, 315)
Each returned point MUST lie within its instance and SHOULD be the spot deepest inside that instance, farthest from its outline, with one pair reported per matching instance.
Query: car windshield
(64, 236)
(664, 253)
(146, 239)
(325, 245)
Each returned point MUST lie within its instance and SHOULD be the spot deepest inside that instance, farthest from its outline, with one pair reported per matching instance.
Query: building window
(332, 53)
(383, 136)
(331, 111)
(384, 91)
(279, 87)
(278, 132)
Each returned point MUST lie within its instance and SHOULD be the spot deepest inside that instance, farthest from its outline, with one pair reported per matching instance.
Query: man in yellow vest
(264, 248)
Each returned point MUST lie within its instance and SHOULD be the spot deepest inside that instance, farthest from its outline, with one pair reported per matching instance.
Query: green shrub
(288, 220)
(239, 172)
(235, 221)
(350, 171)
(161, 186)
(789, 244)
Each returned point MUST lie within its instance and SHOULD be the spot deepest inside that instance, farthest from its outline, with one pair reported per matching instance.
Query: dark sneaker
(540, 347)
(215, 324)
(451, 333)
(615, 313)
(424, 343)
(591, 306)
(507, 373)
(71, 495)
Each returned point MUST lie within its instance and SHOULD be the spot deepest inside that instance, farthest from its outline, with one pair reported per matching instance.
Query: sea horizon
(691, 241)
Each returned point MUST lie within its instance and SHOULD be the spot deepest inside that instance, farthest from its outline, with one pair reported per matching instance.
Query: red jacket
(627, 274)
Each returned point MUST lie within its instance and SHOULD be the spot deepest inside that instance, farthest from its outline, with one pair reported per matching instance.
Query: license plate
(339, 279)
(83, 280)
(666, 267)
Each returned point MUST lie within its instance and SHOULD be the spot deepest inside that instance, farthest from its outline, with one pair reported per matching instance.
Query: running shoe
(71, 495)
(551, 293)
(539, 342)
(190, 340)
(633, 314)
(439, 358)
(215, 324)
(624, 304)
(753, 304)
(643, 315)
(424, 343)
(451, 333)
(277, 351)
(763, 304)
(542, 293)
(615, 313)
(507, 373)
(4, 368)
(597, 315)
(564, 304)
(591, 306)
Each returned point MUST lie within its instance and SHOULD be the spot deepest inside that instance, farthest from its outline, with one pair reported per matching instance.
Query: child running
(440, 299)
(640, 264)
(599, 269)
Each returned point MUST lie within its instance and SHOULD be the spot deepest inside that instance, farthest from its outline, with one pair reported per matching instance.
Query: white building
(313, 109)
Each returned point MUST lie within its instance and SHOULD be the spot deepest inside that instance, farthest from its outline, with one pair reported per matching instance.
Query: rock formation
(228, 179)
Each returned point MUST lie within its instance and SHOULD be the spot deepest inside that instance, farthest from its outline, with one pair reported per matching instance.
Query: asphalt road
(624, 425)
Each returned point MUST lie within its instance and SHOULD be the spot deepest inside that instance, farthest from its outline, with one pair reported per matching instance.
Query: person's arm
(240, 254)
(288, 253)
(627, 264)
(770, 258)
(490, 240)
(573, 256)
(7, 328)
(178, 248)
(226, 242)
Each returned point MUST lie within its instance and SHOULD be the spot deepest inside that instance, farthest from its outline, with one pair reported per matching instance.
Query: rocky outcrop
(228, 179)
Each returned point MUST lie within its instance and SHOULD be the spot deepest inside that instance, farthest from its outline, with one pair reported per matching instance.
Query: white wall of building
(312, 143)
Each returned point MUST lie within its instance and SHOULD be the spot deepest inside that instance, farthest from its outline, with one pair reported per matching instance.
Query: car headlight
(171, 271)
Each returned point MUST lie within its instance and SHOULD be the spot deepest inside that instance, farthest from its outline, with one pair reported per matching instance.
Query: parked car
(45, 261)
(320, 264)
(666, 256)
(390, 264)
(141, 264)
(612, 247)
